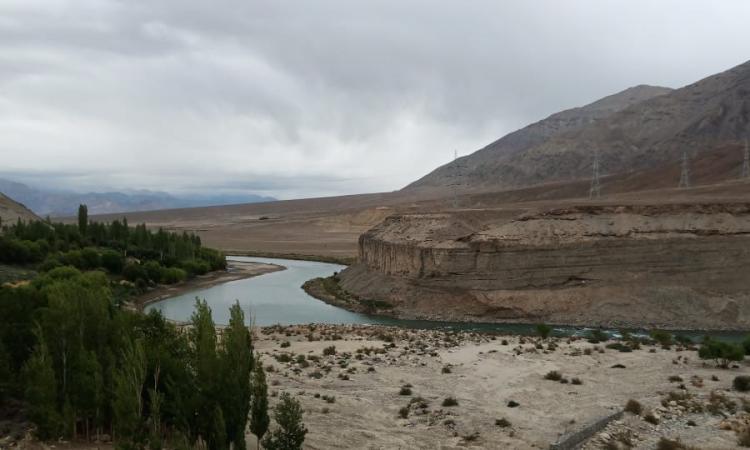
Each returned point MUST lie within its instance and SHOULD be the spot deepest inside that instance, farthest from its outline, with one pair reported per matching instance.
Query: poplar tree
(237, 356)
(128, 395)
(41, 390)
(259, 419)
(83, 219)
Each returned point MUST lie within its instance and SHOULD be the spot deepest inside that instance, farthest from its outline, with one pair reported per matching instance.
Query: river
(278, 298)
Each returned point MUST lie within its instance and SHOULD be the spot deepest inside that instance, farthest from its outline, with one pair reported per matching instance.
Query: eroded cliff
(673, 266)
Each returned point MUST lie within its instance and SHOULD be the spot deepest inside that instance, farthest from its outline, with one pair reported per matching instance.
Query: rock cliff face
(674, 266)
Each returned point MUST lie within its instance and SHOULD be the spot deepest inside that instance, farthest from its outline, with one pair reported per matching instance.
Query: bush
(403, 412)
(746, 345)
(502, 423)
(634, 407)
(446, 369)
(543, 330)
(662, 337)
(405, 390)
(195, 267)
(134, 272)
(670, 444)
(553, 375)
(172, 275)
(721, 352)
(329, 351)
(576, 381)
(90, 258)
(450, 401)
(742, 383)
(112, 261)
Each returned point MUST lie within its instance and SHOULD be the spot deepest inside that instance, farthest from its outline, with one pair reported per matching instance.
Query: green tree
(204, 360)
(237, 361)
(290, 433)
(83, 219)
(259, 419)
(128, 395)
(217, 433)
(41, 390)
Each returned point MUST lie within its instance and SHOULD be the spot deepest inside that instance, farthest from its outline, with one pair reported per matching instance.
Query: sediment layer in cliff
(673, 266)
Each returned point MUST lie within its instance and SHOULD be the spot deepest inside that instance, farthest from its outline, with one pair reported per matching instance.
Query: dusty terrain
(368, 371)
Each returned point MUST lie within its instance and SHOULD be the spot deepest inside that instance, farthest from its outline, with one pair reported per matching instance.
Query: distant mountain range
(638, 129)
(62, 203)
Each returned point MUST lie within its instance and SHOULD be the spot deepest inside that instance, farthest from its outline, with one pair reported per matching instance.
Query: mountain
(54, 203)
(11, 211)
(638, 129)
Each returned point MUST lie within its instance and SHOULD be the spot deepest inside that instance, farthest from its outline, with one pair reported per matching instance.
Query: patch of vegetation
(450, 401)
(553, 375)
(502, 423)
(741, 383)
(405, 390)
(672, 444)
(329, 351)
(403, 412)
(722, 353)
(634, 407)
(543, 330)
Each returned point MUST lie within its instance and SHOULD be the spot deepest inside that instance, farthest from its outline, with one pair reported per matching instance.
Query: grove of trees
(83, 367)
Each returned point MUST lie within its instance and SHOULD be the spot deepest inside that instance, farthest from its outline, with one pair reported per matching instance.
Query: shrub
(329, 351)
(670, 444)
(662, 337)
(651, 418)
(543, 330)
(741, 383)
(634, 407)
(403, 412)
(112, 261)
(576, 381)
(721, 352)
(134, 272)
(553, 375)
(746, 345)
(173, 275)
(513, 404)
(502, 423)
(675, 379)
(596, 336)
(450, 401)
(446, 369)
(405, 390)
(285, 344)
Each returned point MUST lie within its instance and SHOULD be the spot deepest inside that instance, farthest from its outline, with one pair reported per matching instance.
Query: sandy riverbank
(236, 270)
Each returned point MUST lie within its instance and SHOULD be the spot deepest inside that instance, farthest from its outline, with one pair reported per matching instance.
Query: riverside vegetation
(78, 365)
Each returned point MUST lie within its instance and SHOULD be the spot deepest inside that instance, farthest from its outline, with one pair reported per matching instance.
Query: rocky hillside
(671, 266)
(638, 129)
(11, 211)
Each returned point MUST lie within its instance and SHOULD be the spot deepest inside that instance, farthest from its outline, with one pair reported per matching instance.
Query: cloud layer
(299, 99)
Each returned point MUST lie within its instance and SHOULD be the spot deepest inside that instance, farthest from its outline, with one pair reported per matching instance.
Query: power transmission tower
(746, 162)
(457, 175)
(685, 174)
(596, 189)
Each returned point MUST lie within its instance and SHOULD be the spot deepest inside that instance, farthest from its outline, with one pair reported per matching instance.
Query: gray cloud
(317, 98)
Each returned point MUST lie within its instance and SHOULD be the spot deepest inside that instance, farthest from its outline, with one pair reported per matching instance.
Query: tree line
(140, 255)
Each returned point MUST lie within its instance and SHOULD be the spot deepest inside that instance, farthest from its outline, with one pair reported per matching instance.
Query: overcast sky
(307, 98)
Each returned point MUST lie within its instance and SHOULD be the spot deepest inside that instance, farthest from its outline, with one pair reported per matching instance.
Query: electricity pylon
(746, 162)
(685, 174)
(596, 190)
(457, 173)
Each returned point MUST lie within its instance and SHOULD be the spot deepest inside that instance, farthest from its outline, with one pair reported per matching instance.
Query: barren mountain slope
(640, 132)
(11, 211)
